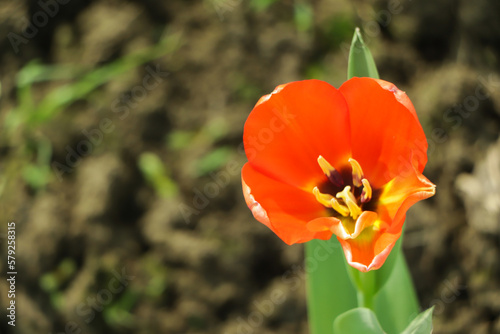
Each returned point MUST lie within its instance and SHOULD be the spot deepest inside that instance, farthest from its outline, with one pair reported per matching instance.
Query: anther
(357, 173)
(332, 174)
(366, 194)
(343, 210)
(350, 201)
(324, 199)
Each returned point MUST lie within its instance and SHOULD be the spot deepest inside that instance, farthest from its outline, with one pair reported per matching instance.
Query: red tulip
(347, 161)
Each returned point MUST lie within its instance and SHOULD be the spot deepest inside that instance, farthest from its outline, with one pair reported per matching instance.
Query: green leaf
(361, 63)
(356, 321)
(422, 324)
(396, 303)
(329, 289)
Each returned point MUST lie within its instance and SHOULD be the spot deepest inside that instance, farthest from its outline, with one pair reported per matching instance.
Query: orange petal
(369, 251)
(283, 208)
(387, 138)
(399, 95)
(324, 225)
(338, 227)
(288, 129)
(266, 97)
(399, 195)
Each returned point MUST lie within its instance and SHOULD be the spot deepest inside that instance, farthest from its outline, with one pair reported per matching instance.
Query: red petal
(288, 129)
(387, 138)
(283, 208)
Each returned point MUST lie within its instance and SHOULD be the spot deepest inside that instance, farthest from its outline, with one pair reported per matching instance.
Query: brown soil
(189, 265)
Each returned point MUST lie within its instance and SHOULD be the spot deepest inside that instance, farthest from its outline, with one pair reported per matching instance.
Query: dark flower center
(349, 201)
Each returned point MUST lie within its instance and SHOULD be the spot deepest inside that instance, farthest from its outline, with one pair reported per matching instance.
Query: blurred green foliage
(80, 83)
(118, 314)
(38, 174)
(180, 139)
(244, 88)
(213, 160)
(216, 129)
(68, 83)
(338, 29)
(303, 16)
(156, 174)
(150, 284)
(333, 34)
(205, 141)
(261, 5)
(52, 282)
(157, 275)
(316, 71)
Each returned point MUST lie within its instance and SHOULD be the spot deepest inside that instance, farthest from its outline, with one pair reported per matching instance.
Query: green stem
(366, 291)
(366, 286)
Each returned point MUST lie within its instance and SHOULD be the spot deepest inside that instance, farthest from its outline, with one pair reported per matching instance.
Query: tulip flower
(346, 162)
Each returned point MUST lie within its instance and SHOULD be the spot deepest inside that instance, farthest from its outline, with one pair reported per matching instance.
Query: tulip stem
(365, 300)
(366, 287)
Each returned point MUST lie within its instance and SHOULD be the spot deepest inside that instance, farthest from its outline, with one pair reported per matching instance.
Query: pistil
(349, 199)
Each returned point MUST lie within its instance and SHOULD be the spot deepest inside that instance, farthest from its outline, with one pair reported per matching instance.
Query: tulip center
(352, 194)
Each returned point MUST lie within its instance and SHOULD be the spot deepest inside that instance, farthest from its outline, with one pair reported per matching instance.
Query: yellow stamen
(366, 194)
(323, 198)
(330, 171)
(343, 210)
(325, 165)
(350, 201)
(357, 173)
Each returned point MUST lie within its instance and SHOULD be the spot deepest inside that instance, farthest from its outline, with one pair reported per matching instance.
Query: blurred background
(121, 146)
